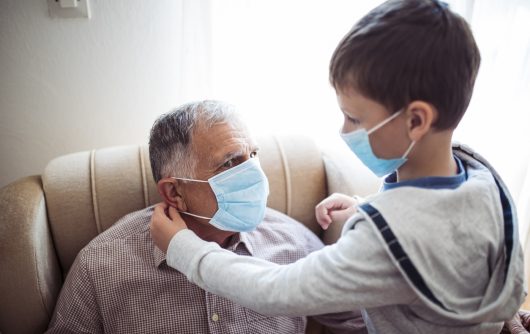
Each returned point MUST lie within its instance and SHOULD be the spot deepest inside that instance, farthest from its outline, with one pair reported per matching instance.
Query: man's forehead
(221, 138)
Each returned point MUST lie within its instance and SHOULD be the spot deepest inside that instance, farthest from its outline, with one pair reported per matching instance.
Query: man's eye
(229, 163)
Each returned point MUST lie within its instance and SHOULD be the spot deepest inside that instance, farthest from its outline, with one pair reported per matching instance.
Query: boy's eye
(354, 121)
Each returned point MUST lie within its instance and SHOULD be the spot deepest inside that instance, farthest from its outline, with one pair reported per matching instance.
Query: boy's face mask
(359, 143)
(241, 194)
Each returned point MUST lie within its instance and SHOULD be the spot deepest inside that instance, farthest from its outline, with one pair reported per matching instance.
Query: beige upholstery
(45, 220)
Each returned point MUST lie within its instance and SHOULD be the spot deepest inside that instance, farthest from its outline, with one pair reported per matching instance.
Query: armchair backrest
(87, 192)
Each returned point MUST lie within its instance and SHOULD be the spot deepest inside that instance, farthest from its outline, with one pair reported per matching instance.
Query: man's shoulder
(131, 225)
(280, 229)
(276, 220)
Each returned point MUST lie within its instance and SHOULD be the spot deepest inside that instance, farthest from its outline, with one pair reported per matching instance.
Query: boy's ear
(171, 192)
(420, 118)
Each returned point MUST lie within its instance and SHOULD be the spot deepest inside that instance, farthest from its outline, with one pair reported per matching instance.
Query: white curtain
(498, 120)
(271, 59)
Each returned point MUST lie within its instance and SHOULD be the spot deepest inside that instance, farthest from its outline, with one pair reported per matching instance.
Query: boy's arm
(350, 322)
(76, 310)
(353, 273)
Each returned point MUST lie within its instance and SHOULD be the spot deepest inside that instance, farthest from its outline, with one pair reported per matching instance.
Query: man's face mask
(359, 143)
(241, 194)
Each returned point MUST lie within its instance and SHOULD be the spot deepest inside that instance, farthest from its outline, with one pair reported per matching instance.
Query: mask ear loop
(187, 213)
(383, 123)
(197, 216)
(185, 179)
(408, 149)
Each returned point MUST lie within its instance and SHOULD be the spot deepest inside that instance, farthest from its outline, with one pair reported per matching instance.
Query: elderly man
(201, 156)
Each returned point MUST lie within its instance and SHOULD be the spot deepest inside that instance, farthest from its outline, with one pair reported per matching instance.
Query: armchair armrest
(30, 275)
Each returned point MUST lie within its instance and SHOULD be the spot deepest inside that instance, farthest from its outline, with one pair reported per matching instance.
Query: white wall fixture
(69, 8)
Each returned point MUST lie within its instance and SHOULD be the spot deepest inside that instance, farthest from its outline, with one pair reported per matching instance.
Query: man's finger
(525, 319)
(515, 325)
(517, 328)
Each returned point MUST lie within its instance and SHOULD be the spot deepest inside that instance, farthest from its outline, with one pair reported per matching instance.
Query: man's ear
(171, 191)
(420, 118)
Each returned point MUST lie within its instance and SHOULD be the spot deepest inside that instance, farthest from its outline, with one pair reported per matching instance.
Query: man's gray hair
(170, 149)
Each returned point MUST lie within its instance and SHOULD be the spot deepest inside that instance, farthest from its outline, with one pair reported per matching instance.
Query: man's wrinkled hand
(520, 324)
(163, 228)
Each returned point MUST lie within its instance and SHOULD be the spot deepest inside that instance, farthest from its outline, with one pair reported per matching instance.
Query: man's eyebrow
(219, 160)
(233, 154)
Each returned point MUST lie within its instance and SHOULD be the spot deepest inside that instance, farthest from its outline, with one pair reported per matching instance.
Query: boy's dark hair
(406, 50)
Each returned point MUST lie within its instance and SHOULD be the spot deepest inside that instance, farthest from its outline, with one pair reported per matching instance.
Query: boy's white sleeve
(355, 272)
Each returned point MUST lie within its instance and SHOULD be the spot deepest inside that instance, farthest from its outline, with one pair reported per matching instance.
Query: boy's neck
(431, 156)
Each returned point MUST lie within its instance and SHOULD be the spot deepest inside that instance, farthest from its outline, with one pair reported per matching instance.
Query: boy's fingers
(323, 224)
(321, 214)
(160, 209)
(173, 213)
(323, 219)
(342, 215)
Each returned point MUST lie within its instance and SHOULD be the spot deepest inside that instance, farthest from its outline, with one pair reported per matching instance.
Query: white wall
(77, 84)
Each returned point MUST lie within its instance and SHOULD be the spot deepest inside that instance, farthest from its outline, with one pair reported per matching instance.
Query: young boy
(437, 250)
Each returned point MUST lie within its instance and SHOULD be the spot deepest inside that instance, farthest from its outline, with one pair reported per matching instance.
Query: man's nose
(246, 157)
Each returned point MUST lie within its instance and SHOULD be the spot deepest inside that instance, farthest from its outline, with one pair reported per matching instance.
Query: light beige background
(76, 84)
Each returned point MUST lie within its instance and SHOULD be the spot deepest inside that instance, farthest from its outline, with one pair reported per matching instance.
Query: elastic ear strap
(191, 214)
(378, 126)
(408, 149)
(182, 178)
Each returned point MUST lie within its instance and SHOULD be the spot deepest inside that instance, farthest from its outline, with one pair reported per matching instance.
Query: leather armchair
(46, 219)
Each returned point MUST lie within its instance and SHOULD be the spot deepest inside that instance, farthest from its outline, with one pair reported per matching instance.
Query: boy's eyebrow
(346, 112)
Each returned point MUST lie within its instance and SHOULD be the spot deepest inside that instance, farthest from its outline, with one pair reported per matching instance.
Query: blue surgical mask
(241, 194)
(359, 143)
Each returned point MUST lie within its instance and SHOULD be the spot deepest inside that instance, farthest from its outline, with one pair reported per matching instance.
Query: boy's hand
(163, 228)
(337, 207)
